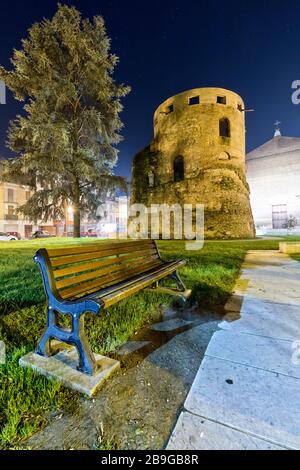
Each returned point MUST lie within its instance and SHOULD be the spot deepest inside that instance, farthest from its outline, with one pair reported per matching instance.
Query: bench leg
(44, 345)
(182, 292)
(180, 284)
(75, 337)
(87, 362)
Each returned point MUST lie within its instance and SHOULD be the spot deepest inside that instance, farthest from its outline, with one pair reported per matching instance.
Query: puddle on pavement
(155, 339)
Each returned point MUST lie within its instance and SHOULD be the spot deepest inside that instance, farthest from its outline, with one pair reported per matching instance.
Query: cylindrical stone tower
(198, 156)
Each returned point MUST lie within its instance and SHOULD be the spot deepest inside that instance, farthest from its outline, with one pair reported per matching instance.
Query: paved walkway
(246, 394)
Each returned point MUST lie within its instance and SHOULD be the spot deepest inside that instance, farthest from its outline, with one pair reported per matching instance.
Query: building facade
(273, 174)
(11, 197)
(197, 156)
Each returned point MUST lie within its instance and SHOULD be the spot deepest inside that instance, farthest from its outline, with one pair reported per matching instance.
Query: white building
(273, 174)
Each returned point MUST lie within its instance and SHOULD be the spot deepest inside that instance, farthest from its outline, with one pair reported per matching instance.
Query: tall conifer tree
(66, 138)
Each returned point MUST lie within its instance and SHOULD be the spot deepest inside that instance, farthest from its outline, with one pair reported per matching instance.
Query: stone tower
(198, 156)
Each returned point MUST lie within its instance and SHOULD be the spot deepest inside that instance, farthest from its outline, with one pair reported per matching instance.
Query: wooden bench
(86, 278)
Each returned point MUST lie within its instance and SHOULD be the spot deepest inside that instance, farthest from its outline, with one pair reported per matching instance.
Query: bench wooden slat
(141, 283)
(110, 279)
(78, 268)
(121, 285)
(121, 266)
(68, 260)
(100, 246)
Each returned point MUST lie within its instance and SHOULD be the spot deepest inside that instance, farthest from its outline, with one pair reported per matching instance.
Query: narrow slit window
(224, 127)
(170, 109)
(178, 167)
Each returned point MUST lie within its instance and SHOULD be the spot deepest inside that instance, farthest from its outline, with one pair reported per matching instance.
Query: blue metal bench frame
(76, 310)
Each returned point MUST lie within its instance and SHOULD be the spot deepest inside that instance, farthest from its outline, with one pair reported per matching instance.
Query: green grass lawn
(26, 397)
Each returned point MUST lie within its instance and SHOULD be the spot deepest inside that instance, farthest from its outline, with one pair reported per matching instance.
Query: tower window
(194, 100)
(240, 107)
(224, 127)
(178, 168)
(170, 109)
(221, 99)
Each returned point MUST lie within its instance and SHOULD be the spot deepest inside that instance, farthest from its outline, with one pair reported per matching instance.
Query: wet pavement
(246, 393)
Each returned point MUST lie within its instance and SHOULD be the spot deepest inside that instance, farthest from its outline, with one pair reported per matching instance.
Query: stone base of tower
(222, 191)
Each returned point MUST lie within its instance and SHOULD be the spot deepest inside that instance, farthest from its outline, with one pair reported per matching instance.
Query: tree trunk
(76, 215)
(76, 209)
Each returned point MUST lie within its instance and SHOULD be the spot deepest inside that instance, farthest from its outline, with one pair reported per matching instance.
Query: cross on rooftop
(277, 128)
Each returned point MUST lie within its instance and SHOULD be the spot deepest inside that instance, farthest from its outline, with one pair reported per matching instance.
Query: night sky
(168, 46)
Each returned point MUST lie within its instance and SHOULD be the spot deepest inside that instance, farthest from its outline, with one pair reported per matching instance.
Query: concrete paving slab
(289, 247)
(255, 316)
(195, 433)
(285, 325)
(170, 325)
(284, 291)
(243, 305)
(277, 291)
(271, 272)
(269, 276)
(251, 400)
(62, 367)
(270, 354)
(131, 346)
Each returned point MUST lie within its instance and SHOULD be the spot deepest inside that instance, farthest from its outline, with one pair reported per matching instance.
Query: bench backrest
(78, 270)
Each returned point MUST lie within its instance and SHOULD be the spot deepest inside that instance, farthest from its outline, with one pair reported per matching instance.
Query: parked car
(41, 234)
(15, 234)
(6, 237)
(89, 233)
